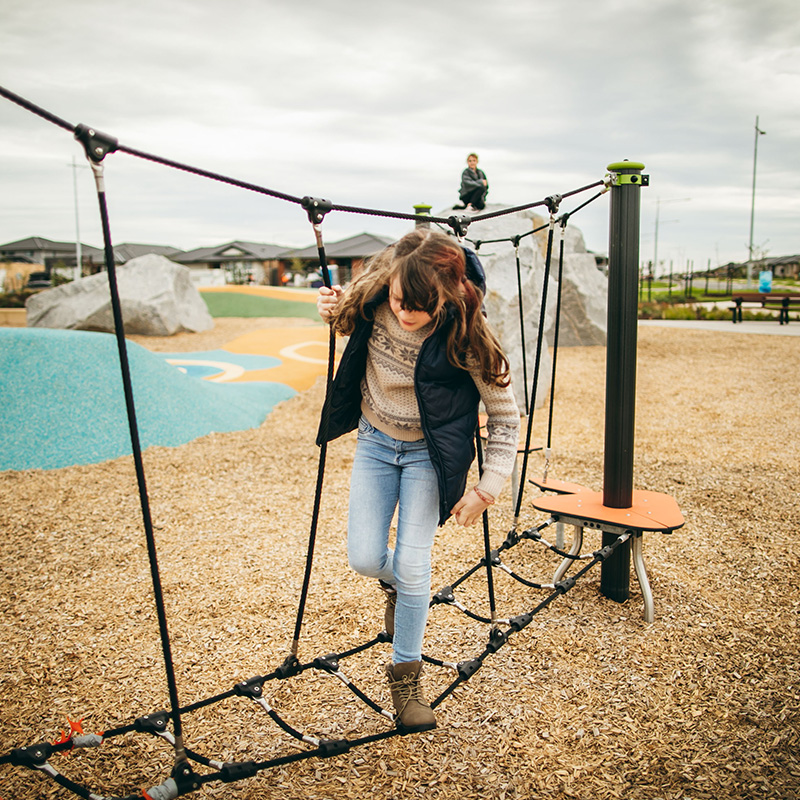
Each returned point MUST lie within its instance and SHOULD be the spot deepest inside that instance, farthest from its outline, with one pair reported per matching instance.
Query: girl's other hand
(327, 300)
(468, 510)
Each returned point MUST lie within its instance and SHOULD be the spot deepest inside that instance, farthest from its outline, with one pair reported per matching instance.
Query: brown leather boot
(391, 602)
(412, 711)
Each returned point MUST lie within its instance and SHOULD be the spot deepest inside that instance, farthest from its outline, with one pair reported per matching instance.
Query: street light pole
(78, 253)
(753, 207)
(659, 201)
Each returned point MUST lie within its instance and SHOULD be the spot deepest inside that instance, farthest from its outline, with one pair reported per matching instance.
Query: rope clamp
(316, 208)
(466, 669)
(512, 539)
(237, 770)
(497, 639)
(459, 223)
(626, 178)
(290, 666)
(34, 756)
(333, 747)
(562, 587)
(553, 203)
(252, 688)
(330, 662)
(521, 621)
(96, 144)
(444, 595)
(152, 723)
(185, 778)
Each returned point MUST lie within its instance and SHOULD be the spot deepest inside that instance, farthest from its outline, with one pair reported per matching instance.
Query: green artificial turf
(232, 304)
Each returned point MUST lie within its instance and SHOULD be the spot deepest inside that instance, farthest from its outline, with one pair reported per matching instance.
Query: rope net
(501, 573)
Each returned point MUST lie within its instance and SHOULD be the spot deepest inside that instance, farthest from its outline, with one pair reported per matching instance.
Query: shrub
(15, 299)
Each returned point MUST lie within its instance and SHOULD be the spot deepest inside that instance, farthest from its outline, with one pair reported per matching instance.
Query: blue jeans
(389, 474)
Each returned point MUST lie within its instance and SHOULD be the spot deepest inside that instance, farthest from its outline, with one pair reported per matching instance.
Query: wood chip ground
(586, 702)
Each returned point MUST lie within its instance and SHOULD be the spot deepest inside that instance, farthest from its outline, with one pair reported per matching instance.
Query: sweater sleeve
(502, 429)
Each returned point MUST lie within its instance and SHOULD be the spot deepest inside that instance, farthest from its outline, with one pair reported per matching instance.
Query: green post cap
(422, 208)
(618, 165)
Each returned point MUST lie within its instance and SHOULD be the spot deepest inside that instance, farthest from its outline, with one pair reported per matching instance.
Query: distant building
(125, 252)
(783, 266)
(50, 254)
(236, 262)
(243, 262)
(346, 255)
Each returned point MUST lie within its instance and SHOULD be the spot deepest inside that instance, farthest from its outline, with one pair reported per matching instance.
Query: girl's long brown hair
(430, 269)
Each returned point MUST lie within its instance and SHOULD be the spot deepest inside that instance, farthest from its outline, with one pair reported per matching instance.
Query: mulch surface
(588, 701)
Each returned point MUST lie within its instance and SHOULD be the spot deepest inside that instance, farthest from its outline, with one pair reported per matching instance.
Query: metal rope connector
(459, 224)
(553, 203)
(96, 144)
(316, 208)
(253, 688)
(152, 723)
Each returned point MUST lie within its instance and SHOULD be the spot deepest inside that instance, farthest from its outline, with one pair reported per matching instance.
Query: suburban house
(232, 262)
(242, 262)
(50, 254)
(783, 266)
(125, 252)
(345, 257)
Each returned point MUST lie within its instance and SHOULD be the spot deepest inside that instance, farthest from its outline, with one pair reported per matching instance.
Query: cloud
(377, 105)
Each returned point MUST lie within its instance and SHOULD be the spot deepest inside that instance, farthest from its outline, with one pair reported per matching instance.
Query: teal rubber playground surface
(62, 401)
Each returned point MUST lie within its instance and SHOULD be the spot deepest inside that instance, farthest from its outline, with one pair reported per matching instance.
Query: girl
(420, 359)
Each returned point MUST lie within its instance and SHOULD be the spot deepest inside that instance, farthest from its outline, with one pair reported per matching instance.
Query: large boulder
(157, 298)
(583, 294)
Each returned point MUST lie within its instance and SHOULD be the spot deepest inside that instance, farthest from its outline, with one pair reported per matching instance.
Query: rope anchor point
(96, 144)
(316, 208)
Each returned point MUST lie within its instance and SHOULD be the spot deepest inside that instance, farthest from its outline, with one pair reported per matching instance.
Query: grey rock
(157, 298)
(583, 294)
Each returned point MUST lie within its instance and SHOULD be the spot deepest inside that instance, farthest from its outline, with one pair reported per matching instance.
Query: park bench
(774, 301)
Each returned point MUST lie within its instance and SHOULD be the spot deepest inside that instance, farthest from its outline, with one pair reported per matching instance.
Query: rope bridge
(193, 769)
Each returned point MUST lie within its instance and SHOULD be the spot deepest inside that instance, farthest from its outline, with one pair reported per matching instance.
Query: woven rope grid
(184, 779)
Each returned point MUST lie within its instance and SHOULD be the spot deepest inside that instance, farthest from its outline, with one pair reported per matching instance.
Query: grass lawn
(233, 304)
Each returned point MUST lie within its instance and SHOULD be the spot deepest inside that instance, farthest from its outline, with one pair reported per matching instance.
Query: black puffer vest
(447, 398)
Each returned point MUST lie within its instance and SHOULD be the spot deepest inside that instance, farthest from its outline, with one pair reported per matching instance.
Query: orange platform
(650, 511)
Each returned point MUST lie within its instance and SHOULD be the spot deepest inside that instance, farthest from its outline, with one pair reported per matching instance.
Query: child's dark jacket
(447, 397)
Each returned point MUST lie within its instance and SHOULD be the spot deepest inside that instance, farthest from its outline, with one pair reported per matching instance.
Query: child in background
(420, 358)
(474, 186)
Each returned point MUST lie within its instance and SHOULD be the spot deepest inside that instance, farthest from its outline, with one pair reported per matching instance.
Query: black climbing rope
(553, 203)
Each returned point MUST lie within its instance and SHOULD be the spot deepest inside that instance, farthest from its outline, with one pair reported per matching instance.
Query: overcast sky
(376, 104)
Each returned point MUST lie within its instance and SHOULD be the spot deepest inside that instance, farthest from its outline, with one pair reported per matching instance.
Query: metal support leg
(641, 576)
(577, 543)
(514, 483)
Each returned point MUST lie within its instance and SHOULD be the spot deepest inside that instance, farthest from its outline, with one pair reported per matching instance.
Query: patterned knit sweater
(390, 403)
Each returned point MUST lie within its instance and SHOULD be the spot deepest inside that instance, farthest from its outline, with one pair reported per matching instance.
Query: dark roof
(33, 243)
(769, 261)
(778, 260)
(360, 246)
(232, 251)
(127, 251)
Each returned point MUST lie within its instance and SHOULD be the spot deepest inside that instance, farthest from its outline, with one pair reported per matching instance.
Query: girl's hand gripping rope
(327, 301)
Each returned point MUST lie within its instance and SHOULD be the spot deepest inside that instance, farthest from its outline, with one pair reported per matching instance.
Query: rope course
(186, 775)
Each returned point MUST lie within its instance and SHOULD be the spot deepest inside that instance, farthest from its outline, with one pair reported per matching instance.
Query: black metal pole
(623, 274)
